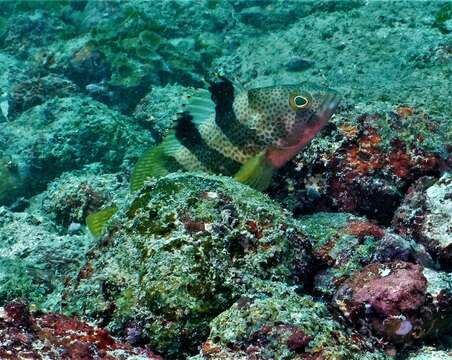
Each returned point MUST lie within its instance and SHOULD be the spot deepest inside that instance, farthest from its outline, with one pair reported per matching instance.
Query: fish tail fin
(96, 221)
(155, 162)
(257, 172)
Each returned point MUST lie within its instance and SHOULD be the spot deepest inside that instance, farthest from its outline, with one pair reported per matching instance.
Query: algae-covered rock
(274, 322)
(343, 244)
(425, 214)
(180, 254)
(71, 197)
(35, 261)
(399, 301)
(363, 163)
(31, 92)
(430, 353)
(11, 72)
(443, 18)
(66, 134)
(158, 109)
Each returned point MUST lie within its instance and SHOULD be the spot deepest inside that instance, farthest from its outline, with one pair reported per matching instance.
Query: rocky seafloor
(348, 255)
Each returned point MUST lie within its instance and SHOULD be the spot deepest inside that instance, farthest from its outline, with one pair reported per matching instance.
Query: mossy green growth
(128, 73)
(444, 15)
(180, 253)
(322, 226)
(277, 323)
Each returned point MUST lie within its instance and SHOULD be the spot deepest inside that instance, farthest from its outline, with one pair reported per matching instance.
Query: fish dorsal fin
(257, 172)
(199, 105)
(96, 221)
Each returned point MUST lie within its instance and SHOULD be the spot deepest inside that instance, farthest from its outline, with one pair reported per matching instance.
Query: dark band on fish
(172, 164)
(189, 136)
(237, 133)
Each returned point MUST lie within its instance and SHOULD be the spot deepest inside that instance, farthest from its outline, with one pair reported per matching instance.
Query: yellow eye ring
(298, 102)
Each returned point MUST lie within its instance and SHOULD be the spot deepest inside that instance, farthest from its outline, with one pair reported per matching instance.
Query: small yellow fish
(246, 135)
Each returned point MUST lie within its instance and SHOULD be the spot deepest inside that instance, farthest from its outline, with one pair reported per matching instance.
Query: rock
(343, 244)
(298, 64)
(443, 18)
(157, 110)
(55, 336)
(425, 215)
(25, 31)
(11, 73)
(398, 301)
(395, 247)
(179, 255)
(276, 323)
(364, 166)
(430, 353)
(62, 135)
(35, 261)
(31, 92)
(87, 65)
(71, 197)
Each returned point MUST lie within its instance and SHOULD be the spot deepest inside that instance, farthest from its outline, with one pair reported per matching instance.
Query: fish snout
(328, 107)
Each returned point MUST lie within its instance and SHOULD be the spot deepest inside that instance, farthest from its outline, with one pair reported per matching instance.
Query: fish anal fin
(96, 221)
(257, 172)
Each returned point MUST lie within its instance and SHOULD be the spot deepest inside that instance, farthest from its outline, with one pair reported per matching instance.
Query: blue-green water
(344, 251)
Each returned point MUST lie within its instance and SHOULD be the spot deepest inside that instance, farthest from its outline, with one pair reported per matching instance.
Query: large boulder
(179, 255)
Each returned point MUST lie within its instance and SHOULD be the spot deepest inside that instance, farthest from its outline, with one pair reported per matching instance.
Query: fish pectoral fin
(96, 221)
(257, 172)
(155, 162)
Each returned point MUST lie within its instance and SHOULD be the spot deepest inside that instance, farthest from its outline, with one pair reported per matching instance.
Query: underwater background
(346, 255)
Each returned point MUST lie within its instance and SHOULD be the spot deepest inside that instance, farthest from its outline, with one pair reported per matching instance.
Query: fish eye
(298, 102)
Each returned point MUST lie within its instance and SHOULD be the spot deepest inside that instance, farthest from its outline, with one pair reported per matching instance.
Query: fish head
(290, 116)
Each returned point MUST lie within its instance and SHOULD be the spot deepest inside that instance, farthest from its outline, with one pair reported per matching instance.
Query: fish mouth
(328, 108)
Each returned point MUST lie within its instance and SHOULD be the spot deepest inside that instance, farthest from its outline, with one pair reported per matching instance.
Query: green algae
(145, 48)
(321, 227)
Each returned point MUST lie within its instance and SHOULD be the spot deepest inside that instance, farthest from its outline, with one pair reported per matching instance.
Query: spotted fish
(247, 135)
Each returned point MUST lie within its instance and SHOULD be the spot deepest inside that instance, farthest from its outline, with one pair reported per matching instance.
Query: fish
(247, 135)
